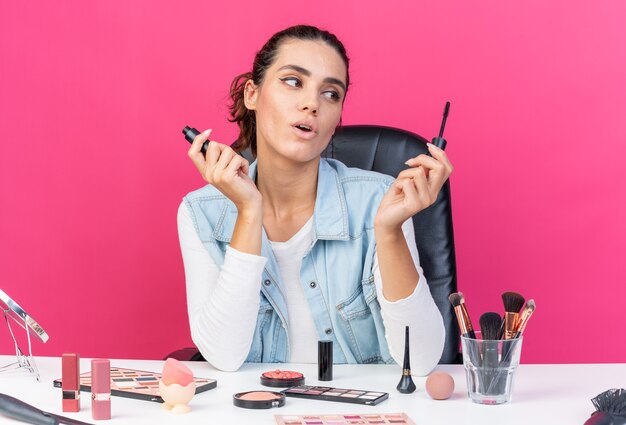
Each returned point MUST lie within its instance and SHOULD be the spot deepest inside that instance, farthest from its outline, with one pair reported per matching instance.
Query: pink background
(93, 165)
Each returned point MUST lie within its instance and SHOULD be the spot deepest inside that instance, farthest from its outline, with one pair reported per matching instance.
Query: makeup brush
(513, 303)
(465, 324)
(490, 326)
(528, 311)
(406, 384)
(462, 316)
(490, 329)
(610, 408)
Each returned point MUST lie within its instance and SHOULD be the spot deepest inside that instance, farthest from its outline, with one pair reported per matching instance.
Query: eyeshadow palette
(379, 418)
(336, 394)
(137, 384)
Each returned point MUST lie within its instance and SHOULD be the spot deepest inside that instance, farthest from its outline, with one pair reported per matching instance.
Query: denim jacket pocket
(263, 319)
(359, 322)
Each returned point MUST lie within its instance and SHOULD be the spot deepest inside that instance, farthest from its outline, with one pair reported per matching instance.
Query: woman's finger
(233, 167)
(427, 162)
(425, 193)
(194, 152)
(245, 165)
(412, 172)
(226, 155)
(198, 141)
(438, 168)
(441, 156)
(213, 153)
(436, 177)
(408, 188)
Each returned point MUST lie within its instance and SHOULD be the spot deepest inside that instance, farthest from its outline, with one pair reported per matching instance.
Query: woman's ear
(250, 94)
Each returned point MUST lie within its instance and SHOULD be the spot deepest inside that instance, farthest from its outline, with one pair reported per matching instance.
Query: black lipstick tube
(325, 360)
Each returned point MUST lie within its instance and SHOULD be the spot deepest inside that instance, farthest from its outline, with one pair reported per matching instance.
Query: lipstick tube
(70, 386)
(100, 389)
(325, 360)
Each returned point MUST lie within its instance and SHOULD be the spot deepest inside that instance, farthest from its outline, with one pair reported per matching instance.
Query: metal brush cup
(490, 368)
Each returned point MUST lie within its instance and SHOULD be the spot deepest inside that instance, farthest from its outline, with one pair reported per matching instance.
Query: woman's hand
(414, 190)
(227, 171)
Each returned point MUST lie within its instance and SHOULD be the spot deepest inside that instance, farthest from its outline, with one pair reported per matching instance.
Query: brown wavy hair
(245, 118)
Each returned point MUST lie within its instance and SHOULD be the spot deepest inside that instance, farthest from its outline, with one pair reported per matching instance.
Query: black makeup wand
(406, 384)
(439, 141)
(191, 133)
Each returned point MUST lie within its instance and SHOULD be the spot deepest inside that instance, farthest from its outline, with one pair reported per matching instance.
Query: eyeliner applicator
(439, 141)
(406, 384)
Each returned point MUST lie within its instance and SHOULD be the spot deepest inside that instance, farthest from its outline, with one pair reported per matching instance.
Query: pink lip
(306, 135)
(309, 124)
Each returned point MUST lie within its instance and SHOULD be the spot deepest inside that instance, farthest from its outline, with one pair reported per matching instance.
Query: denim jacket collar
(330, 217)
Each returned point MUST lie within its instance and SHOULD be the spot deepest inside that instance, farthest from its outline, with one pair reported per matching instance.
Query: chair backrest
(385, 149)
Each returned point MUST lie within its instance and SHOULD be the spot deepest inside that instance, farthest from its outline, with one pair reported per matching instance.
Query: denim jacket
(336, 273)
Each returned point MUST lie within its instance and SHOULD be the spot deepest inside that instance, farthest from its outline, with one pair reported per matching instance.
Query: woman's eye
(331, 94)
(291, 81)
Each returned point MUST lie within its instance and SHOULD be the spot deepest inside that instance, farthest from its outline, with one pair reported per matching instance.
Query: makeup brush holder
(490, 367)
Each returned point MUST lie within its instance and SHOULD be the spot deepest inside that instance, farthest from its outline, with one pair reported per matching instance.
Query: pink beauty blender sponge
(439, 385)
(175, 372)
(177, 386)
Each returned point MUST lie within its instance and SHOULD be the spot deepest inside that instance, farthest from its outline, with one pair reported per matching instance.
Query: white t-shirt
(303, 341)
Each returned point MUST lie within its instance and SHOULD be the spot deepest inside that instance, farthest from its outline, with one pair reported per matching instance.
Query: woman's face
(298, 105)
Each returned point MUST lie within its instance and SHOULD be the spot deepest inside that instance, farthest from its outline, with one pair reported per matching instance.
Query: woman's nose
(309, 102)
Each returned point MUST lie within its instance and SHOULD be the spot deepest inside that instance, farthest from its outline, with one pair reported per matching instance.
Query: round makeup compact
(282, 378)
(259, 399)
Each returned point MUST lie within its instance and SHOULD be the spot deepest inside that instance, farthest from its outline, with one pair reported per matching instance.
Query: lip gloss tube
(70, 370)
(100, 389)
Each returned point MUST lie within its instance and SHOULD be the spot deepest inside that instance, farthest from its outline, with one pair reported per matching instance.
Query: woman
(293, 248)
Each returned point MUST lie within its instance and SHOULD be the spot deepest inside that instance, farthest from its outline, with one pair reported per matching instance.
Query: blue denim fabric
(336, 273)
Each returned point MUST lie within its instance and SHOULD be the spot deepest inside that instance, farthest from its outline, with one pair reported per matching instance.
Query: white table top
(543, 394)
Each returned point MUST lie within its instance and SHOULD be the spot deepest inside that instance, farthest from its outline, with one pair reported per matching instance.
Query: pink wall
(93, 96)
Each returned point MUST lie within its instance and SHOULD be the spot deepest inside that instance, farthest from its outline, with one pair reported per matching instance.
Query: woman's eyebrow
(304, 71)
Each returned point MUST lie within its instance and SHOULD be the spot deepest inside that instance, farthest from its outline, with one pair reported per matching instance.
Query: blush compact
(259, 399)
(282, 378)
